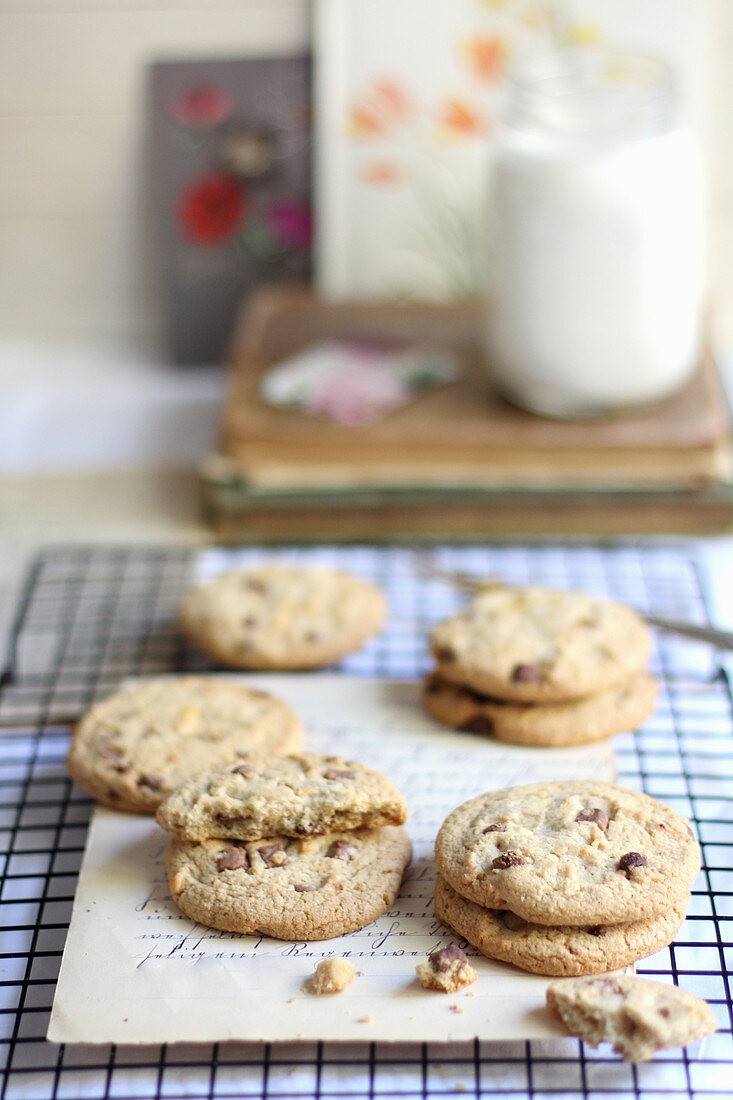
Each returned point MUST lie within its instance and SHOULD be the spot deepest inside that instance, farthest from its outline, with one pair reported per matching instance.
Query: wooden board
(466, 420)
(457, 520)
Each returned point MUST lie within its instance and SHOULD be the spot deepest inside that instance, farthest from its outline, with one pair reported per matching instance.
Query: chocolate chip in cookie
(152, 781)
(446, 958)
(232, 859)
(273, 855)
(446, 970)
(506, 860)
(478, 723)
(528, 674)
(629, 862)
(341, 849)
(598, 817)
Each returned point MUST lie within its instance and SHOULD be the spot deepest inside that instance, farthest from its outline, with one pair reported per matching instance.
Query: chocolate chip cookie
(298, 795)
(540, 645)
(577, 853)
(552, 725)
(133, 748)
(547, 949)
(313, 888)
(638, 1016)
(282, 617)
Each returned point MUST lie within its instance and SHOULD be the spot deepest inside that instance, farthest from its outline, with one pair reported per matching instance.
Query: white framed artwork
(407, 94)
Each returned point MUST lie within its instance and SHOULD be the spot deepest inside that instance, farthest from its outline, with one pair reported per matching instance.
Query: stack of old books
(458, 462)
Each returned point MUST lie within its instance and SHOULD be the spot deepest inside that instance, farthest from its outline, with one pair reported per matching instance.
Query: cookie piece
(314, 888)
(552, 725)
(579, 853)
(299, 795)
(133, 748)
(282, 617)
(446, 970)
(638, 1016)
(331, 976)
(540, 645)
(545, 949)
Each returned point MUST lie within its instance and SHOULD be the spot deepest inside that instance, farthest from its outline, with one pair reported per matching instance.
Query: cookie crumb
(331, 976)
(460, 1087)
(292, 1001)
(360, 973)
(365, 1020)
(446, 969)
(458, 1009)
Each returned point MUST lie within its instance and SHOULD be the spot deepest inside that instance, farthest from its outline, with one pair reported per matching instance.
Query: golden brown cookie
(638, 1016)
(546, 949)
(540, 645)
(133, 748)
(282, 617)
(309, 889)
(577, 853)
(552, 725)
(298, 795)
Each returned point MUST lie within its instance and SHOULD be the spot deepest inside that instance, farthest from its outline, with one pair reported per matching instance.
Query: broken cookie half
(638, 1016)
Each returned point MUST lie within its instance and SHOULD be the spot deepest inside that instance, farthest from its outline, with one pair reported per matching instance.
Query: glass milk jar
(597, 236)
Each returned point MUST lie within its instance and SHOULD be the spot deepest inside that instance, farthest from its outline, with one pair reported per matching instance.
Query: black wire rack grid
(90, 617)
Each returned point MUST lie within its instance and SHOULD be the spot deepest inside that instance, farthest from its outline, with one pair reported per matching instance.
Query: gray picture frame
(229, 147)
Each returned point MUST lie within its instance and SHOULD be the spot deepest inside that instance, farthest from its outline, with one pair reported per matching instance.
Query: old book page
(135, 970)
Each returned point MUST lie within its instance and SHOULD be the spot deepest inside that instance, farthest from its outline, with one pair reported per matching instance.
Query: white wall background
(72, 241)
(72, 231)
(75, 270)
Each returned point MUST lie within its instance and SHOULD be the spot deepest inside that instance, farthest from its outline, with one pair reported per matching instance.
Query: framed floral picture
(407, 96)
(230, 157)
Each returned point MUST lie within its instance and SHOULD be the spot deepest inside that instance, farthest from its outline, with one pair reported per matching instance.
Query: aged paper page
(135, 970)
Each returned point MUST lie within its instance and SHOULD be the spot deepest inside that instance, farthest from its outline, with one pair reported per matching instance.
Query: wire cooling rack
(89, 617)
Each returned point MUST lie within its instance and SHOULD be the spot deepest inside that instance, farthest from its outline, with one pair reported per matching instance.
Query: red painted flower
(213, 209)
(291, 224)
(201, 106)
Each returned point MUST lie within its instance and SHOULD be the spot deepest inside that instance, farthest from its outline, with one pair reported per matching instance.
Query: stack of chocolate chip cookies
(565, 878)
(301, 847)
(541, 666)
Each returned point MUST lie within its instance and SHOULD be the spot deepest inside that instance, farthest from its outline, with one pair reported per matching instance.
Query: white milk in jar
(597, 236)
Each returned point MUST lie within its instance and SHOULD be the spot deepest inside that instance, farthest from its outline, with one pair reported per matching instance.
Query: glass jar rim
(595, 91)
(619, 67)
